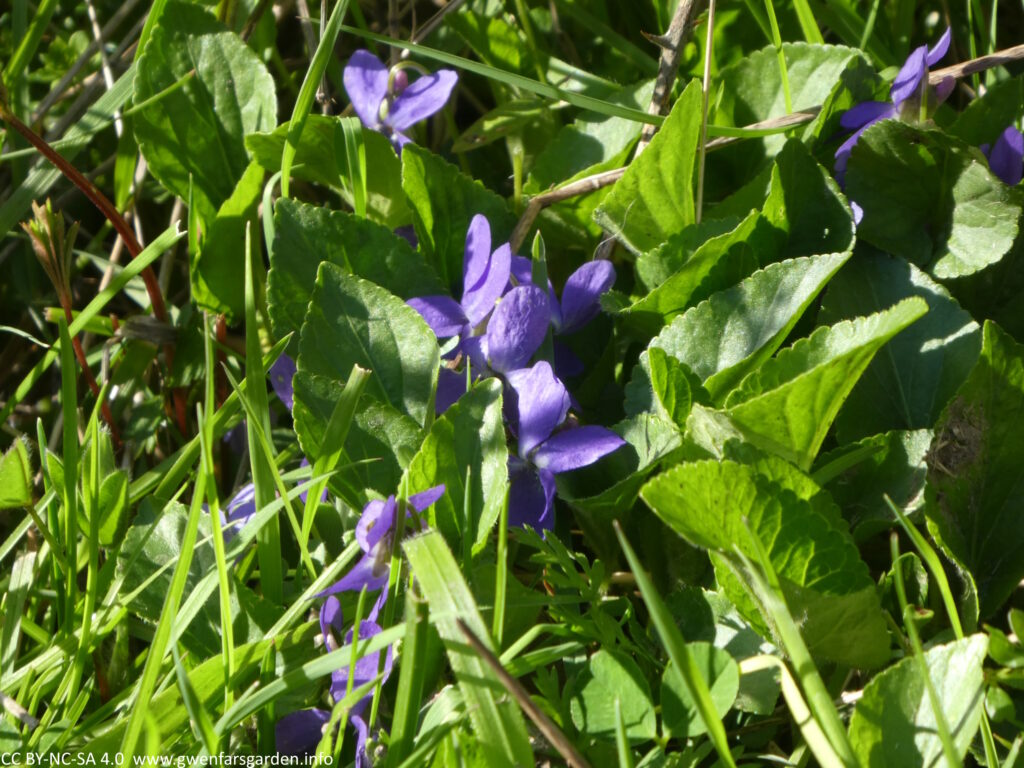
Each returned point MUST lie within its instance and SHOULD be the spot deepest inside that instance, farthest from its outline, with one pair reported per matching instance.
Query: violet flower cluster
(299, 732)
(907, 91)
(498, 325)
(387, 102)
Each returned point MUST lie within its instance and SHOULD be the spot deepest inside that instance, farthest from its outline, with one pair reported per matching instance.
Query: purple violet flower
(581, 303)
(911, 81)
(497, 338)
(1006, 156)
(387, 102)
(542, 405)
(484, 279)
(300, 732)
(375, 532)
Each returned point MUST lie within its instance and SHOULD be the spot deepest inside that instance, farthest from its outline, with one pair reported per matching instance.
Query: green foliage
(193, 139)
(910, 381)
(930, 199)
(799, 359)
(443, 202)
(894, 723)
(788, 405)
(496, 720)
(972, 483)
(15, 477)
(306, 236)
(655, 197)
(465, 450)
(824, 580)
(607, 678)
(351, 321)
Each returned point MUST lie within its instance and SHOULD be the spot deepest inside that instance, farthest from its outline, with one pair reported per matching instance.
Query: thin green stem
(780, 53)
(945, 736)
(705, 95)
(501, 576)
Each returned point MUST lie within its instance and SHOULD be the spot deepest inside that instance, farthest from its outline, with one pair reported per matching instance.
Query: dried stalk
(605, 178)
(671, 44)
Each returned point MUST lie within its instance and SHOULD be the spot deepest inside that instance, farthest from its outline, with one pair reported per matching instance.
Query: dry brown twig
(544, 724)
(598, 181)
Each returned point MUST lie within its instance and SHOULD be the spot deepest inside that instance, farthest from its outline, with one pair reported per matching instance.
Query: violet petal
(479, 299)
(582, 293)
(241, 507)
(574, 448)
(567, 364)
(366, 573)
(522, 271)
(913, 71)
(517, 328)
(937, 51)
(298, 733)
(331, 619)
(304, 494)
(530, 496)
(475, 348)
(377, 519)
(476, 256)
(421, 99)
(362, 734)
(366, 81)
(1006, 159)
(451, 385)
(365, 668)
(420, 501)
(543, 404)
(865, 113)
(280, 374)
(442, 313)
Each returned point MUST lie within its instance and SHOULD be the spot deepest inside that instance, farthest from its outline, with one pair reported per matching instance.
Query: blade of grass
(197, 714)
(769, 6)
(274, 477)
(29, 43)
(799, 712)
(705, 97)
(679, 652)
(501, 576)
(768, 591)
(161, 481)
(621, 740)
(332, 447)
(497, 723)
(411, 679)
(619, 43)
(299, 679)
(268, 543)
(934, 565)
(514, 80)
(223, 583)
(307, 93)
(544, 724)
(161, 636)
(907, 612)
(44, 176)
(808, 24)
(69, 409)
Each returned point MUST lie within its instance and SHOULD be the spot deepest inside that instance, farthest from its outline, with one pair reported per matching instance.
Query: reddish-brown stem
(122, 228)
(98, 199)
